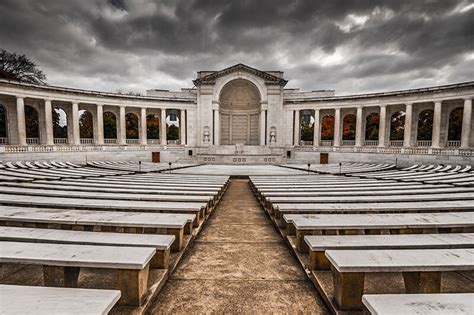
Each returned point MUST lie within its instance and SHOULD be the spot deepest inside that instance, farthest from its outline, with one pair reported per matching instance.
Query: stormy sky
(350, 46)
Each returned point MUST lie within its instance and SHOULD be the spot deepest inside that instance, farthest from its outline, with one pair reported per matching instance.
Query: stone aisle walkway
(238, 263)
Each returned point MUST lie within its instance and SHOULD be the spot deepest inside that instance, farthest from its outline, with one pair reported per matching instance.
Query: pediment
(211, 77)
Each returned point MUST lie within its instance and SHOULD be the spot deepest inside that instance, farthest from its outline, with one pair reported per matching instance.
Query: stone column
(263, 133)
(317, 129)
(76, 132)
(296, 131)
(217, 127)
(337, 127)
(163, 127)
(382, 125)
(466, 123)
(435, 140)
(100, 124)
(182, 127)
(358, 135)
(123, 126)
(20, 116)
(48, 120)
(408, 123)
(142, 135)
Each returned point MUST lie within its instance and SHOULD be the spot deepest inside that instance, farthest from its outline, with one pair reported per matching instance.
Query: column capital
(359, 107)
(22, 96)
(408, 103)
(383, 105)
(468, 98)
(47, 99)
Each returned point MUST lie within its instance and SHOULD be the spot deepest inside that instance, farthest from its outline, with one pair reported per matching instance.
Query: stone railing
(348, 142)
(396, 143)
(423, 143)
(371, 143)
(326, 143)
(87, 141)
(132, 141)
(110, 141)
(3, 141)
(389, 150)
(32, 140)
(153, 141)
(60, 140)
(453, 143)
(72, 148)
(302, 142)
(173, 141)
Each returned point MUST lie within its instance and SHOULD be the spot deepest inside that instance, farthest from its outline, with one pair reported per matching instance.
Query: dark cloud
(351, 46)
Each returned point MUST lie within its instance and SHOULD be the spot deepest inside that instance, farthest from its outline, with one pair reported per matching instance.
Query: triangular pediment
(212, 76)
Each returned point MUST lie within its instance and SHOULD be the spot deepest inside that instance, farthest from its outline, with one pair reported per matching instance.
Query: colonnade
(384, 126)
(98, 124)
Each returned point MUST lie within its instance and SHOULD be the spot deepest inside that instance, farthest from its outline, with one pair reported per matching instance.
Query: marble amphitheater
(236, 196)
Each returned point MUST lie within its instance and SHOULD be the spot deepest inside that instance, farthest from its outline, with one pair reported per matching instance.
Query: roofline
(468, 84)
(94, 93)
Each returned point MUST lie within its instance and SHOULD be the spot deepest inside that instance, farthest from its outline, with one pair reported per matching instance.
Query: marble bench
(469, 195)
(318, 244)
(86, 183)
(126, 189)
(59, 192)
(421, 269)
(280, 209)
(19, 299)
(162, 243)
(377, 223)
(196, 208)
(62, 263)
(105, 221)
(416, 304)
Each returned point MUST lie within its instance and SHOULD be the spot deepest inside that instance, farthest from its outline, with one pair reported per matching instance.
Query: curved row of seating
(366, 239)
(120, 232)
(137, 166)
(342, 168)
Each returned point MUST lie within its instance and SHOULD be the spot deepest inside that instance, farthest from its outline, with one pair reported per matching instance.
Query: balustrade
(110, 141)
(348, 142)
(87, 141)
(153, 141)
(423, 143)
(60, 140)
(3, 141)
(326, 143)
(132, 141)
(454, 143)
(371, 143)
(31, 141)
(396, 143)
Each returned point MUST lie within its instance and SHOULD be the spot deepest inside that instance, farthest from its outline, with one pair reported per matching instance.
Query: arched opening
(327, 130)
(110, 128)
(240, 113)
(349, 129)
(172, 126)
(372, 122)
(153, 128)
(59, 126)
(397, 128)
(424, 131)
(455, 127)
(3, 125)
(32, 125)
(306, 126)
(131, 122)
(86, 127)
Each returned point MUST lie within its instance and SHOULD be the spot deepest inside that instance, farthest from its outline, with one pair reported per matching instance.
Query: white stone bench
(62, 262)
(396, 222)
(380, 199)
(280, 209)
(416, 304)
(87, 183)
(318, 244)
(19, 173)
(196, 208)
(126, 189)
(130, 222)
(369, 192)
(421, 269)
(58, 192)
(162, 243)
(18, 299)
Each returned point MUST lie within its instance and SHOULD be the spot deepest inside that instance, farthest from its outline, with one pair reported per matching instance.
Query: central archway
(240, 113)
